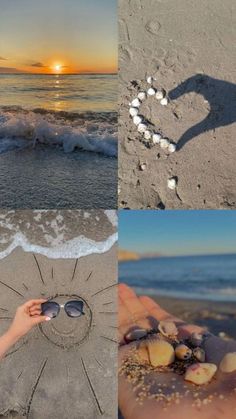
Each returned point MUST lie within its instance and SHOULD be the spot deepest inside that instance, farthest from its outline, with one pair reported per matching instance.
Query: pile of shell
(140, 122)
(164, 351)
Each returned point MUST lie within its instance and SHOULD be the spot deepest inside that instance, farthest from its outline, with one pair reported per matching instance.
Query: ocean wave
(88, 131)
(57, 233)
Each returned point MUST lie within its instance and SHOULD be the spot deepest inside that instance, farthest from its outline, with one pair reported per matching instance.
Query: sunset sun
(57, 68)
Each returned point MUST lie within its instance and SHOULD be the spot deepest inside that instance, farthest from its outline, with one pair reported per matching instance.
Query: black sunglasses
(73, 308)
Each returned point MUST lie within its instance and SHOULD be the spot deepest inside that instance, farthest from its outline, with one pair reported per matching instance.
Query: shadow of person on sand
(221, 96)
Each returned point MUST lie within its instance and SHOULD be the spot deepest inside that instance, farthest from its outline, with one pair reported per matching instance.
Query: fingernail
(47, 319)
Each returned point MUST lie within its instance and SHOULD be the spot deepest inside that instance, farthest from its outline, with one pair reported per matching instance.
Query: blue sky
(178, 232)
(81, 35)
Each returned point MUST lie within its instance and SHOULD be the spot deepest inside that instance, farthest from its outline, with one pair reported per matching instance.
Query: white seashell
(172, 148)
(149, 79)
(142, 127)
(200, 373)
(164, 143)
(171, 183)
(137, 120)
(228, 363)
(151, 91)
(160, 94)
(143, 166)
(136, 103)
(183, 352)
(147, 135)
(142, 96)
(133, 111)
(156, 138)
(164, 101)
(196, 339)
(135, 334)
(199, 354)
(167, 328)
(161, 353)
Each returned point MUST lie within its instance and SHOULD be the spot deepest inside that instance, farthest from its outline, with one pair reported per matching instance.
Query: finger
(153, 308)
(35, 312)
(31, 303)
(124, 316)
(40, 319)
(132, 303)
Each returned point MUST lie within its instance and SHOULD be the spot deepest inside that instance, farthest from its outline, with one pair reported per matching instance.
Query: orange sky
(58, 36)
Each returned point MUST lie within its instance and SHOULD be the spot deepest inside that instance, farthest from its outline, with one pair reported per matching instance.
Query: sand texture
(65, 368)
(189, 47)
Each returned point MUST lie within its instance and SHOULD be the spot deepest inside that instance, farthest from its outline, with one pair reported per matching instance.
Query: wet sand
(188, 46)
(217, 317)
(67, 367)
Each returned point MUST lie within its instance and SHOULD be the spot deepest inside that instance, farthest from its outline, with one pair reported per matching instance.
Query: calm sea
(202, 277)
(58, 141)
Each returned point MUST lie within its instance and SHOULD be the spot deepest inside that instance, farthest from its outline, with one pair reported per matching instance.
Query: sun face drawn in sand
(65, 365)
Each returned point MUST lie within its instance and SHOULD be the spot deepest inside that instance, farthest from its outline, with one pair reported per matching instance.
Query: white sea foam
(20, 129)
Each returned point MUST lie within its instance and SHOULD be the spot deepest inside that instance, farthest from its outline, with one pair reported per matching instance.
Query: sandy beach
(65, 368)
(188, 47)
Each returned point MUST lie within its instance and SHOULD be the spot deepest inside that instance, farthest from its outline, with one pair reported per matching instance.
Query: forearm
(6, 342)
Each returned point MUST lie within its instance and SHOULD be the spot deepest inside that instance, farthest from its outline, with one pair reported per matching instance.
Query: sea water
(211, 277)
(58, 134)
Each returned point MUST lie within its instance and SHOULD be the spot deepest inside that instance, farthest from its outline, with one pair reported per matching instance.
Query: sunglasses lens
(74, 308)
(50, 309)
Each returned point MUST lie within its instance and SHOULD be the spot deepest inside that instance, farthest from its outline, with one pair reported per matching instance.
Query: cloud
(38, 65)
(7, 70)
(3, 59)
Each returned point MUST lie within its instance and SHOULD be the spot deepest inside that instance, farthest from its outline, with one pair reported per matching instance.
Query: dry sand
(66, 368)
(178, 41)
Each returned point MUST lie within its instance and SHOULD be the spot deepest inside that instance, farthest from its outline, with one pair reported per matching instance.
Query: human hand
(219, 395)
(27, 316)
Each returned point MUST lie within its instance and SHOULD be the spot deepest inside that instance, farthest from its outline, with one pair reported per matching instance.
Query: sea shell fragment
(156, 138)
(164, 101)
(199, 354)
(164, 143)
(149, 79)
(147, 135)
(160, 94)
(151, 91)
(200, 373)
(136, 103)
(142, 127)
(143, 166)
(228, 363)
(137, 120)
(168, 328)
(135, 334)
(196, 339)
(133, 111)
(183, 352)
(172, 148)
(141, 96)
(161, 353)
(172, 183)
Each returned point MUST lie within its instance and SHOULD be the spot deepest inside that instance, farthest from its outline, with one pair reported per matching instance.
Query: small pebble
(151, 91)
(164, 143)
(136, 334)
(228, 363)
(172, 148)
(147, 135)
(200, 373)
(183, 352)
(161, 353)
(137, 120)
(167, 328)
(171, 183)
(133, 111)
(142, 127)
(164, 101)
(142, 96)
(199, 354)
(156, 138)
(136, 103)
